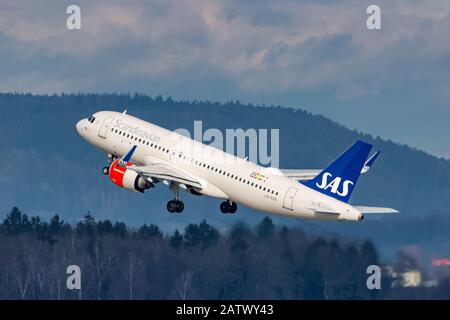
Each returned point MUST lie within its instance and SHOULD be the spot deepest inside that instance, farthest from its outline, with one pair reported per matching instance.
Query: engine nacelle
(127, 179)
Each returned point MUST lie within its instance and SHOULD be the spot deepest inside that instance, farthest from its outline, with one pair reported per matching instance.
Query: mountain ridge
(55, 171)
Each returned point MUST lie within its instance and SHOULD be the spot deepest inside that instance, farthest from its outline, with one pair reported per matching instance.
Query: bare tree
(183, 286)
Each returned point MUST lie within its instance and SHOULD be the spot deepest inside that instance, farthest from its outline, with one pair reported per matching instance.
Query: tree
(105, 227)
(16, 222)
(87, 226)
(147, 232)
(266, 228)
(120, 229)
(201, 235)
(176, 239)
(55, 226)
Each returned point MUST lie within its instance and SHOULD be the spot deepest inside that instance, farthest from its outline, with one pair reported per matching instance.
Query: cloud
(279, 46)
(224, 49)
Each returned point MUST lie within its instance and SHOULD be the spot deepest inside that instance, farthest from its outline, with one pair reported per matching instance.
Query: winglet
(369, 162)
(124, 160)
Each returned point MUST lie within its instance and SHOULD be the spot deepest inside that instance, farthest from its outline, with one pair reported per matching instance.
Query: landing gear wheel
(225, 207)
(175, 206)
(180, 207)
(233, 208)
(105, 170)
(172, 206)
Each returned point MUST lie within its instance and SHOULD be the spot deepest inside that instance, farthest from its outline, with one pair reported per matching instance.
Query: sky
(314, 55)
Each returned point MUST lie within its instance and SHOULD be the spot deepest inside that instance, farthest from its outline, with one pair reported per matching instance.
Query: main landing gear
(175, 205)
(228, 207)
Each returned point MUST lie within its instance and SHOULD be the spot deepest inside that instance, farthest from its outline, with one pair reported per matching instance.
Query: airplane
(142, 154)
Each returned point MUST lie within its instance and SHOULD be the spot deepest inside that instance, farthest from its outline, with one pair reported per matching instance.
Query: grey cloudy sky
(314, 55)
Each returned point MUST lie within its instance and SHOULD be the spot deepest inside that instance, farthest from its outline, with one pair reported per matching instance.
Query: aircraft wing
(157, 169)
(166, 172)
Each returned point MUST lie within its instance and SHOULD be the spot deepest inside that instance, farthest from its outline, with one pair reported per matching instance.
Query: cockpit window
(91, 119)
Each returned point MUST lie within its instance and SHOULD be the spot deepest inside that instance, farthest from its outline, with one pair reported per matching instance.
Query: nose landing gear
(111, 159)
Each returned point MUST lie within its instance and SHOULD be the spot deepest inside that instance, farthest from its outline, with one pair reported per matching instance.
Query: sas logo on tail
(334, 184)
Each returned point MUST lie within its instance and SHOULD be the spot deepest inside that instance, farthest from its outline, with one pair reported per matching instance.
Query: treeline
(200, 262)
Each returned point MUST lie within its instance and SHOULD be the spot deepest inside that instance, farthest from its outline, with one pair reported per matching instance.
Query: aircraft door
(289, 198)
(103, 131)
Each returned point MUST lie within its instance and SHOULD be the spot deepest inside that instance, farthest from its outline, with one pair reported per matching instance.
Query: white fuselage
(222, 175)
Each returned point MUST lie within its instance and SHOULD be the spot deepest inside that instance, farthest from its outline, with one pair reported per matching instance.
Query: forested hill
(47, 168)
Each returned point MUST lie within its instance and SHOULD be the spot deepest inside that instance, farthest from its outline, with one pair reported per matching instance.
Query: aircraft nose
(81, 126)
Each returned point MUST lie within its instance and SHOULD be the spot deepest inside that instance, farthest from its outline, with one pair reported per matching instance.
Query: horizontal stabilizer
(301, 174)
(364, 209)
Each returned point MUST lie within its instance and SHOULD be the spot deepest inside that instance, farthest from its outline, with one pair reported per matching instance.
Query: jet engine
(128, 179)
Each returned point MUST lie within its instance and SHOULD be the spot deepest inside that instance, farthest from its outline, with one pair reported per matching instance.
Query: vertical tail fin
(340, 177)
